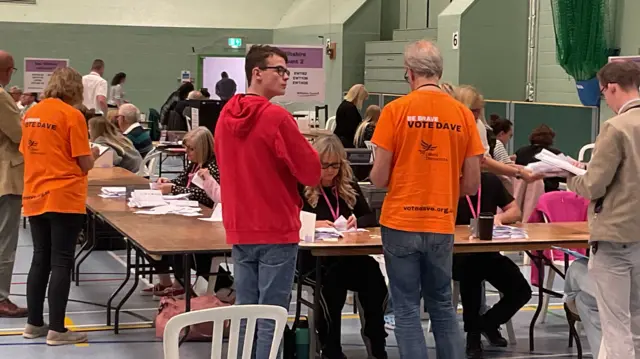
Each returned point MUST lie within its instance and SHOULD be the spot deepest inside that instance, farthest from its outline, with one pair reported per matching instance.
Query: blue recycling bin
(589, 92)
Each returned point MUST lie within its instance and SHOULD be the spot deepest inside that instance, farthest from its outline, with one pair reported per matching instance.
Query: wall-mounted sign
(234, 42)
(37, 72)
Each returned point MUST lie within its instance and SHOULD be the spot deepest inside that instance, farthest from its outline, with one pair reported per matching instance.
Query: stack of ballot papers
(113, 192)
(327, 233)
(554, 165)
(143, 198)
(172, 209)
(508, 232)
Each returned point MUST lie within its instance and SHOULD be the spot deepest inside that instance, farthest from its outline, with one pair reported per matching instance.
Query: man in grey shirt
(611, 184)
(226, 87)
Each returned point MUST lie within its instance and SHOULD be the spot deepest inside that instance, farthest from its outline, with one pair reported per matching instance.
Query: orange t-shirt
(430, 135)
(54, 134)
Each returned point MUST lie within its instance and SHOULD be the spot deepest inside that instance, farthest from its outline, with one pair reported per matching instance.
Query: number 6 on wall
(455, 40)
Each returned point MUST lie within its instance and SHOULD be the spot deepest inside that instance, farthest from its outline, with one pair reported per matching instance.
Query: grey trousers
(10, 206)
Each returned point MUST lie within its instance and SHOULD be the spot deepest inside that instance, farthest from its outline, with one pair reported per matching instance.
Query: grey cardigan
(613, 178)
(128, 159)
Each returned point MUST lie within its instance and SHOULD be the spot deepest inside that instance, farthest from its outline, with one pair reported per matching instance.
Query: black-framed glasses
(14, 69)
(281, 70)
(334, 165)
(603, 89)
(406, 75)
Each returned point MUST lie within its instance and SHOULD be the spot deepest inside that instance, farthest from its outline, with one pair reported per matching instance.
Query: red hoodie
(262, 156)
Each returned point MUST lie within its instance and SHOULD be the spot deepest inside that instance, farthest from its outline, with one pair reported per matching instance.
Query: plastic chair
(331, 124)
(149, 163)
(219, 316)
(584, 150)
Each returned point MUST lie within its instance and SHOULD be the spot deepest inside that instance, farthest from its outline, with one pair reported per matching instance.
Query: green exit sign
(235, 42)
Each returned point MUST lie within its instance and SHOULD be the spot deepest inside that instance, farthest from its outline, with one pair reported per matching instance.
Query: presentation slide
(212, 68)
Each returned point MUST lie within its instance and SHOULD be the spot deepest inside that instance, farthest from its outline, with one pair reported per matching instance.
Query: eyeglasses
(335, 165)
(14, 69)
(603, 89)
(406, 75)
(281, 70)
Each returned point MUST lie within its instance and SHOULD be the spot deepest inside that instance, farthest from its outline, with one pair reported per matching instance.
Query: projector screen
(212, 67)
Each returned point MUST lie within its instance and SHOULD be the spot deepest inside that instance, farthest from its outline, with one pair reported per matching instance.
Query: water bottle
(302, 340)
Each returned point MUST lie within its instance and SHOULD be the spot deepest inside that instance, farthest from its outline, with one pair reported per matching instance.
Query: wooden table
(114, 176)
(541, 236)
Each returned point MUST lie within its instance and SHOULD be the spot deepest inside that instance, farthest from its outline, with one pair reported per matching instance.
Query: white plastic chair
(584, 150)
(218, 316)
(331, 124)
(148, 163)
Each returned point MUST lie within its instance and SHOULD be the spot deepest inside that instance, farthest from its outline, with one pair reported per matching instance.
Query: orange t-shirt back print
(54, 134)
(430, 135)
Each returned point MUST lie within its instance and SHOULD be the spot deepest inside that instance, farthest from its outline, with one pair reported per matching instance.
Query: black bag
(289, 346)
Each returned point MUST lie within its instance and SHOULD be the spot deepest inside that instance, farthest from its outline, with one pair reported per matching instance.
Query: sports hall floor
(103, 271)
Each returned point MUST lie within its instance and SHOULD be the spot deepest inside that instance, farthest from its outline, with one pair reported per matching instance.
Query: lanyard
(193, 173)
(335, 213)
(476, 213)
(624, 107)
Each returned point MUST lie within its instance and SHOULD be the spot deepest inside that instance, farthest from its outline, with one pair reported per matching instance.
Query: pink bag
(170, 307)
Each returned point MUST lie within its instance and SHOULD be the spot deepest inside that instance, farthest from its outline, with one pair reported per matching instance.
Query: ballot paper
(102, 149)
(327, 233)
(183, 203)
(508, 232)
(216, 216)
(197, 180)
(560, 162)
(112, 192)
(146, 198)
(172, 209)
(340, 224)
(170, 197)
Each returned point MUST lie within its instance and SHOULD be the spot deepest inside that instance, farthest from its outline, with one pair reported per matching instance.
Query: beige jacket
(614, 175)
(11, 161)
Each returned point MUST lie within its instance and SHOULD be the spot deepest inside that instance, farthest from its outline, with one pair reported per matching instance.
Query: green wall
(152, 57)
(389, 19)
(493, 48)
(357, 30)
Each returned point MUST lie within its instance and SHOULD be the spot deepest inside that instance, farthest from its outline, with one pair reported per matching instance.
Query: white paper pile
(327, 234)
(146, 198)
(172, 209)
(112, 192)
(170, 197)
(559, 163)
(508, 232)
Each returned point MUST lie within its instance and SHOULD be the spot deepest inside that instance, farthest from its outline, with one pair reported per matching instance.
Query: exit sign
(235, 42)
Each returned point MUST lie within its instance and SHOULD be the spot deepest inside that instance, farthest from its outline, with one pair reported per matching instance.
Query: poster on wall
(37, 72)
(306, 81)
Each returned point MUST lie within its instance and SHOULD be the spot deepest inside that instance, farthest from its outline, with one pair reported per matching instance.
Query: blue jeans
(419, 264)
(579, 287)
(264, 275)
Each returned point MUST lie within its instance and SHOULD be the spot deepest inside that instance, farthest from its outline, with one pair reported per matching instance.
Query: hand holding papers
(557, 163)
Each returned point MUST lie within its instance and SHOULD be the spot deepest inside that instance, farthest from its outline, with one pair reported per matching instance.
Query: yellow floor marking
(68, 323)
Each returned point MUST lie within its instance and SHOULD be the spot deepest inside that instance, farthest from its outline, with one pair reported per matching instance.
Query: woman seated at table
(338, 195)
(199, 145)
(104, 133)
(474, 268)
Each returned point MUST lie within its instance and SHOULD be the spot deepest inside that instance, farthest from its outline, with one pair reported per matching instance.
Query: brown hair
(257, 57)
(65, 84)
(499, 124)
(624, 73)
(97, 64)
(542, 135)
(87, 113)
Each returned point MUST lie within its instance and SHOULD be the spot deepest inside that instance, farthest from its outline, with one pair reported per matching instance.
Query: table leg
(124, 282)
(92, 247)
(136, 278)
(186, 284)
(160, 166)
(316, 298)
(537, 260)
(296, 320)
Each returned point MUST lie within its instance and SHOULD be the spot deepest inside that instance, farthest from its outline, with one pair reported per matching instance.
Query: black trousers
(54, 242)
(360, 274)
(471, 270)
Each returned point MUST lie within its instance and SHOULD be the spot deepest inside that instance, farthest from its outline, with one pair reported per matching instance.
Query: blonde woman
(125, 155)
(367, 126)
(472, 98)
(339, 197)
(57, 158)
(348, 114)
(199, 145)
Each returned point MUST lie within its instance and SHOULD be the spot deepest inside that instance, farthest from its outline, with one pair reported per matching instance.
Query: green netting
(583, 35)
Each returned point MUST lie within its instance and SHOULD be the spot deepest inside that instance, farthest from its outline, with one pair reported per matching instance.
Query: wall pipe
(532, 54)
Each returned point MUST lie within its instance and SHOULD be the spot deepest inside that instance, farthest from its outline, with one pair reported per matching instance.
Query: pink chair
(559, 206)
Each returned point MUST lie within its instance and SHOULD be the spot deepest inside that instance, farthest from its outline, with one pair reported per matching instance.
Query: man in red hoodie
(262, 156)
